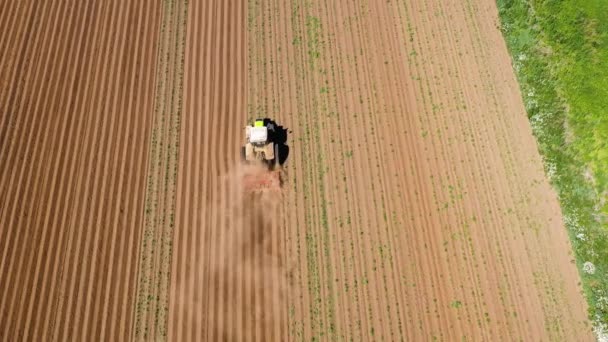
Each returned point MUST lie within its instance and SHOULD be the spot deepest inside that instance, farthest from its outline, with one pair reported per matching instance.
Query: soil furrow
(67, 123)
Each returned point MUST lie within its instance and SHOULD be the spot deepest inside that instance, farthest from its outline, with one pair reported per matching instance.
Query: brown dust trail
(246, 274)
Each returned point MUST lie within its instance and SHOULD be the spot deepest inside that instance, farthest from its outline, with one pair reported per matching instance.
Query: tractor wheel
(243, 154)
(277, 156)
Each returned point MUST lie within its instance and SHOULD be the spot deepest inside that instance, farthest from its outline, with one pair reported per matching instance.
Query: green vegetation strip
(151, 302)
(560, 55)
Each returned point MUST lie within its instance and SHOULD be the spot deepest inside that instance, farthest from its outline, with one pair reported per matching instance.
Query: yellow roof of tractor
(259, 123)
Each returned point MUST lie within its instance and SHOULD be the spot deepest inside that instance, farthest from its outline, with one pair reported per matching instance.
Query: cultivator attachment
(267, 181)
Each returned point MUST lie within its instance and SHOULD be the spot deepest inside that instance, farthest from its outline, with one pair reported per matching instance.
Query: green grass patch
(560, 55)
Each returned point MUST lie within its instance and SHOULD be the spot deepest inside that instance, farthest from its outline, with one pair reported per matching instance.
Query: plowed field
(211, 277)
(76, 103)
(415, 205)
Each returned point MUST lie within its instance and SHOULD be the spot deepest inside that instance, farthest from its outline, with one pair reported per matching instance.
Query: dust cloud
(240, 271)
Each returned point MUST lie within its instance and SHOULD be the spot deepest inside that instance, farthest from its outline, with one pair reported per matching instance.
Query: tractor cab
(258, 133)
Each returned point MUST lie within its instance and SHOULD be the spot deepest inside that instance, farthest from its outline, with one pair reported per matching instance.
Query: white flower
(551, 170)
(602, 302)
(589, 267)
(581, 237)
(601, 332)
(571, 221)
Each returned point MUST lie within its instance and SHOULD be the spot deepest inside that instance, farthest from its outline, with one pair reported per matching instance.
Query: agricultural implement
(262, 152)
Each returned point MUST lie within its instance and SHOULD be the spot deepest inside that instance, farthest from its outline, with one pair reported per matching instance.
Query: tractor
(262, 150)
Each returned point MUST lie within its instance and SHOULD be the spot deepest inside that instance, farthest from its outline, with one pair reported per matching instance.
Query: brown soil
(76, 98)
(151, 306)
(416, 207)
(223, 268)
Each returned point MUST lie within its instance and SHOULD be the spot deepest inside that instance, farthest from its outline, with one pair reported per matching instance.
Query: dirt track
(76, 98)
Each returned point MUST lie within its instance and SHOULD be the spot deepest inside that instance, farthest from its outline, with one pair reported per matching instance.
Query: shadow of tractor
(277, 134)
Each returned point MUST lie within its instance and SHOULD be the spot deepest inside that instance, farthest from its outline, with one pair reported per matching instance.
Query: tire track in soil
(54, 270)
